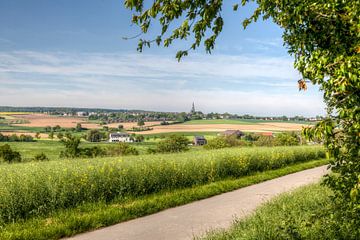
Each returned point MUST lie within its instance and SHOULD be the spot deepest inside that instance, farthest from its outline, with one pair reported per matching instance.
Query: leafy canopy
(323, 36)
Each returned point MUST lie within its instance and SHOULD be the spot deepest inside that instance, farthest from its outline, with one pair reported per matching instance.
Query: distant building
(199, 140)
(236, 133)
(193, 111)
(266, 134)
(120, 137)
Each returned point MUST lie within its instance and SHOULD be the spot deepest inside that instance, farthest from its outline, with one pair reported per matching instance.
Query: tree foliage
(323, 36)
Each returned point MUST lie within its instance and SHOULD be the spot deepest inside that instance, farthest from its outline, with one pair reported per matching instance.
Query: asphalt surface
(195, 219)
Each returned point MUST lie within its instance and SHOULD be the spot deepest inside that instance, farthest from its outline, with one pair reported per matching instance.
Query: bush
(287, 139)
(9, 155)
(122, 149)
(173, 143)
(95, 151)
(15, 138)
(41, 157)
(224, 142)
(47, 186)
(94, 136)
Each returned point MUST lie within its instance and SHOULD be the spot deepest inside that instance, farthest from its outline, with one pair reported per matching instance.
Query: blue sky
(71, 53)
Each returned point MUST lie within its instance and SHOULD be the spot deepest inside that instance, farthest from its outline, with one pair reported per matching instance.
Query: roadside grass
(306, 213)
(88, 216)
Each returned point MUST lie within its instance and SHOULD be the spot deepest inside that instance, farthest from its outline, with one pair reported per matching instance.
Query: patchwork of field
(28, 123)
(256, 127)
(44, 120)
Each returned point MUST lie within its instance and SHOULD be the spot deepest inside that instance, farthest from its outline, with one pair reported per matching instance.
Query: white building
(120, 137)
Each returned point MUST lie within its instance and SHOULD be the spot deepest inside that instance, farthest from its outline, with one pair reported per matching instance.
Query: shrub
(41, 157)
(9, 155)
(225, 141)
(173, 143)
(122, 149)
(95, 151)
(287, 139)
(94, 136)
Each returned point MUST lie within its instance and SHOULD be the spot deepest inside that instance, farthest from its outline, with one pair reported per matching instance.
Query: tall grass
(39, 188)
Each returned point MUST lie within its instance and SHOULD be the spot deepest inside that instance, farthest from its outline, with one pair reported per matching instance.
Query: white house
(120, 137)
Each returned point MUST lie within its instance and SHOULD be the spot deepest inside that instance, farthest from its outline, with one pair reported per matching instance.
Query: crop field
(30, 189)
(220, 127)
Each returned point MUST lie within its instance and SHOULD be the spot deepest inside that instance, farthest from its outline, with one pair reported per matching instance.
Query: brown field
(43, 120)
(128, 125)
(259, 127)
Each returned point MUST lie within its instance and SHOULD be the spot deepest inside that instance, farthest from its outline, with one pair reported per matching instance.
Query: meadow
(38, 188)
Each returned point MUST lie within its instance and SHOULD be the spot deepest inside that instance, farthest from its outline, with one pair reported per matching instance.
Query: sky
(72, 54)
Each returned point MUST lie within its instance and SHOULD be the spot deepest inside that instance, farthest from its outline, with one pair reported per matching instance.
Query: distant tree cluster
(16, 138)
(8, 155)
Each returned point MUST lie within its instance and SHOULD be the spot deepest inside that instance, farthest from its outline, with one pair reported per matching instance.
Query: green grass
(306, 213)
(28, 150)
(67, 222)
(14, 128)
(30, 189)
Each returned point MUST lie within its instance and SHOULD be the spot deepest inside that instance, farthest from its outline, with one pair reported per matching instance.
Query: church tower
(193, 108)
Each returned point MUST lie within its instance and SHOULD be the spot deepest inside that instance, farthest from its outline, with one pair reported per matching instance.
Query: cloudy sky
(71, 53)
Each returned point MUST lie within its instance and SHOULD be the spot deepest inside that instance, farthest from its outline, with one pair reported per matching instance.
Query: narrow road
(196, 218)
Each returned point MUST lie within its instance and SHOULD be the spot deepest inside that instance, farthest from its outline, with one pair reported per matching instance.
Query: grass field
(90, 215)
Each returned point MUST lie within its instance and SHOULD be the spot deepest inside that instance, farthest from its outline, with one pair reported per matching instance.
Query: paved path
(196, 218)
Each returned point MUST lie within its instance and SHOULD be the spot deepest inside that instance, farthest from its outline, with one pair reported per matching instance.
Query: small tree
(173, 143)
(72, 149)
(141, 123)
(9, 155)
(41, 157)
(51, 135)
(37, 135)
(78, 127)
(121, 127)
(122, 149)
(60, 135)
(94, 136)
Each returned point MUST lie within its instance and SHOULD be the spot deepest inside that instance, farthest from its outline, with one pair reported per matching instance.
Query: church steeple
(193, 108)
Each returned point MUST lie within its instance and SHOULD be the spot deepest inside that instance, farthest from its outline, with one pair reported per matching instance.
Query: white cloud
(241, 84)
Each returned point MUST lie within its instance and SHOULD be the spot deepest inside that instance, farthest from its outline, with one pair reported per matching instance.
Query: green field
(60, 188)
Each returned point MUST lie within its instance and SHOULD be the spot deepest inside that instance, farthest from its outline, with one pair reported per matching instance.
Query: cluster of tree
(171, 144)
(281, 139)
(16, 138)
(9, 155)
(73, 149)
(322, 36)
(122, 149)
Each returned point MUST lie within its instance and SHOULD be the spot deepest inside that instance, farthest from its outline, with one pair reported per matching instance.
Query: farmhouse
(199, 140)
(120, 137)
(236, 133)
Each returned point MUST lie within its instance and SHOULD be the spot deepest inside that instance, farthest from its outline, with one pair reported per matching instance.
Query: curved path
(196, 218)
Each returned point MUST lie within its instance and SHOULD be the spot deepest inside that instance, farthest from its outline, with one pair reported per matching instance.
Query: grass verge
(306, 213)
(90, 216)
